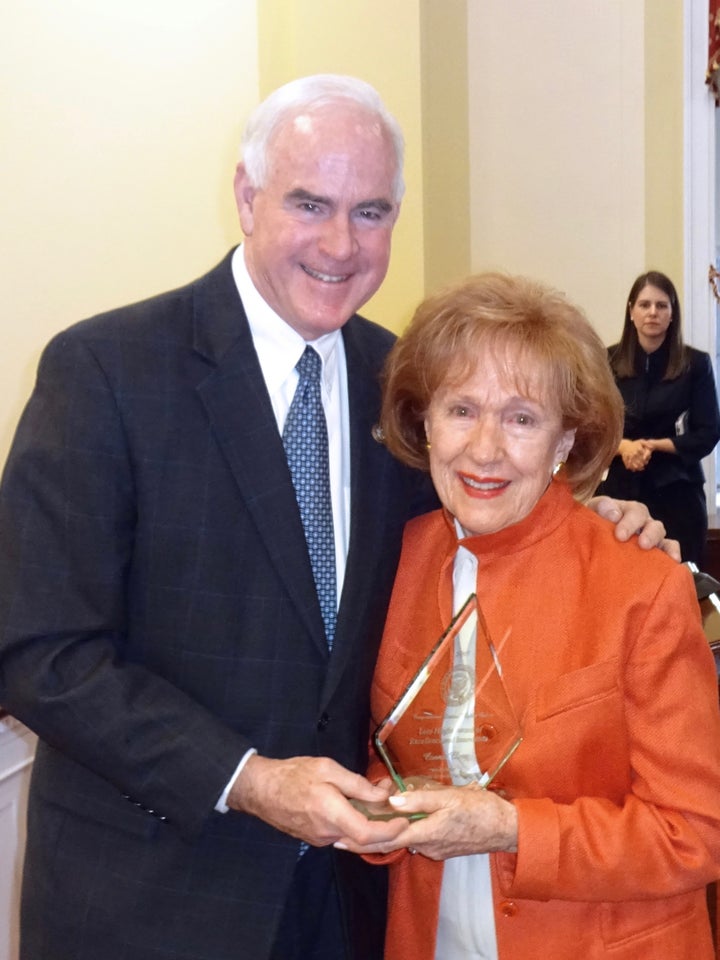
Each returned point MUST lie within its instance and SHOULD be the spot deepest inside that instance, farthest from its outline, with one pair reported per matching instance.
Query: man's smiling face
(317, 233)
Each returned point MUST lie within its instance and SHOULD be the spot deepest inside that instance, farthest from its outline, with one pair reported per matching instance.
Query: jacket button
(323, 721)
(508, 908)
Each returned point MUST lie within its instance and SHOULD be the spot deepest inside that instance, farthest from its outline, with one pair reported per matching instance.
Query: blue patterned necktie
(306, 448)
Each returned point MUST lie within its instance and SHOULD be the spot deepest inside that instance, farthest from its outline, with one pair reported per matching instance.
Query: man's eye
(309, 206)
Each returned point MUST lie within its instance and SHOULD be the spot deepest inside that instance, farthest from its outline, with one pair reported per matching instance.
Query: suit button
(508, 908)
(323, 721)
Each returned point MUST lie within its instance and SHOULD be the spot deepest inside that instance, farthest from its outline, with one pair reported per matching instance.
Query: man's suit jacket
(158, 617)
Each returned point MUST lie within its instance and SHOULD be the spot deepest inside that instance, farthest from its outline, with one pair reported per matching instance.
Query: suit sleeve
(662, 837)
(703, 421)
(68, 511)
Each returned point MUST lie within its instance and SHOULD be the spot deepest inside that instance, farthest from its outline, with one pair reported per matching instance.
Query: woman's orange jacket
(617, 780)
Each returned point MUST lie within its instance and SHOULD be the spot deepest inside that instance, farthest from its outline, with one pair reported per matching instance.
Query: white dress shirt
(279, 348)
(466, 923)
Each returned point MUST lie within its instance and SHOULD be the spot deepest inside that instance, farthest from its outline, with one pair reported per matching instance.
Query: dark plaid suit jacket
(158, 617)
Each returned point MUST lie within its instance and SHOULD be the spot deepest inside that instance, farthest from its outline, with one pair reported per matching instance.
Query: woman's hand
(458, 821)
(662, 444)
(635, 454)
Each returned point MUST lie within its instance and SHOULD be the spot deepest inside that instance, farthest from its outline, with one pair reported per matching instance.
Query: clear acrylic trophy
(454, 724)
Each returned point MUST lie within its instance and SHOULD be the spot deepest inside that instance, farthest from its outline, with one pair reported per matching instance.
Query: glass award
(454, 724)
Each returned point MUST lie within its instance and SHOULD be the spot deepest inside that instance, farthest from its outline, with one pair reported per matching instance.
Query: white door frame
(700, 326)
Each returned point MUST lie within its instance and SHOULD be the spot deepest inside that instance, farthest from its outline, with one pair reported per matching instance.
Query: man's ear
(244, 199)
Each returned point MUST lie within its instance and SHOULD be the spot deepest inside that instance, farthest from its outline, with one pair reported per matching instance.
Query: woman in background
(671, 415)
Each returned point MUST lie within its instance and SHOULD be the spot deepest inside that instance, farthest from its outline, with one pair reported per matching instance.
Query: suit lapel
(238, 406)
(369, 499)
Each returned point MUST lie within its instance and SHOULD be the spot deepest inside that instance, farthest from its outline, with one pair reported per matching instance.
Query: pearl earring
(558, 467)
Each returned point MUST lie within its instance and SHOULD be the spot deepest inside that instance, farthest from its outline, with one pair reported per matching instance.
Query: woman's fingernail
(398, 800)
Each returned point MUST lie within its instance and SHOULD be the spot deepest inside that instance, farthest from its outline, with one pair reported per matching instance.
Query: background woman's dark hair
(623, 358)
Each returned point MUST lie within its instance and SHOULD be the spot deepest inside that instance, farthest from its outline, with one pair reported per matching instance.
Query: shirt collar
(278, 346)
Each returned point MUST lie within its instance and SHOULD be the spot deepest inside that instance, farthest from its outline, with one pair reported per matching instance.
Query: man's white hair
(317, 90)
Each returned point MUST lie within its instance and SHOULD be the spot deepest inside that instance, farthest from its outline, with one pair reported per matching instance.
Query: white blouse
(466, 925)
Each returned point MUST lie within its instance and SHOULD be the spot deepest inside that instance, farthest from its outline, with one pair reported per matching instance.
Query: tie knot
(309, 365)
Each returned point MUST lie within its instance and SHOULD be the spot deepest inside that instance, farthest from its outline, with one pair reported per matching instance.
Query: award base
(377, 810)
(382, 810)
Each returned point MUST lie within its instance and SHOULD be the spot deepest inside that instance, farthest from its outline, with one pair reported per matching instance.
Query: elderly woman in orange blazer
(603, 829)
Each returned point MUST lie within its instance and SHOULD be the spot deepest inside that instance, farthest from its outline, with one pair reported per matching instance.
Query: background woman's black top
(686, 410)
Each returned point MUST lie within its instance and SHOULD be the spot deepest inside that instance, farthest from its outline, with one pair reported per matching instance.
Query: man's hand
(308, 798)
(630, 518)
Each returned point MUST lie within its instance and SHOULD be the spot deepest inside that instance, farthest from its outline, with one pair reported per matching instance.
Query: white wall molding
(17, 749)
(699, 321)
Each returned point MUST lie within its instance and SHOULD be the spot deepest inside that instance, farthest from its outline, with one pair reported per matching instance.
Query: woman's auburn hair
(544, 342)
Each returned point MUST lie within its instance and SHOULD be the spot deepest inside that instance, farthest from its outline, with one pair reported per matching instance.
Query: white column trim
(699, 311)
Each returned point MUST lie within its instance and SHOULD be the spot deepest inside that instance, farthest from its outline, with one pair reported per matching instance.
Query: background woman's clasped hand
(671, 417)
(635, 454)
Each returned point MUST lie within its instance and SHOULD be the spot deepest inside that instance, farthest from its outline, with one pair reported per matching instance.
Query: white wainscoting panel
(17, 748)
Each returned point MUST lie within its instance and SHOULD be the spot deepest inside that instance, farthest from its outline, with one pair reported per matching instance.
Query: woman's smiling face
(492, 448)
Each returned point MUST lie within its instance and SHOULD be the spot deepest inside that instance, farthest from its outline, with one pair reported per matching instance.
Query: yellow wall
(544, 144)
(664, 196)
(120, 124)
(557, 134)
(576, 145)
(380, 42)
(446, 154)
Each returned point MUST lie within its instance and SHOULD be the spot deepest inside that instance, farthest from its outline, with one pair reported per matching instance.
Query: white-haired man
(200, 737)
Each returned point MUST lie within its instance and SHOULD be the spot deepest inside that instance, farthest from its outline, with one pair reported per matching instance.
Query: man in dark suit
(160, 627)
